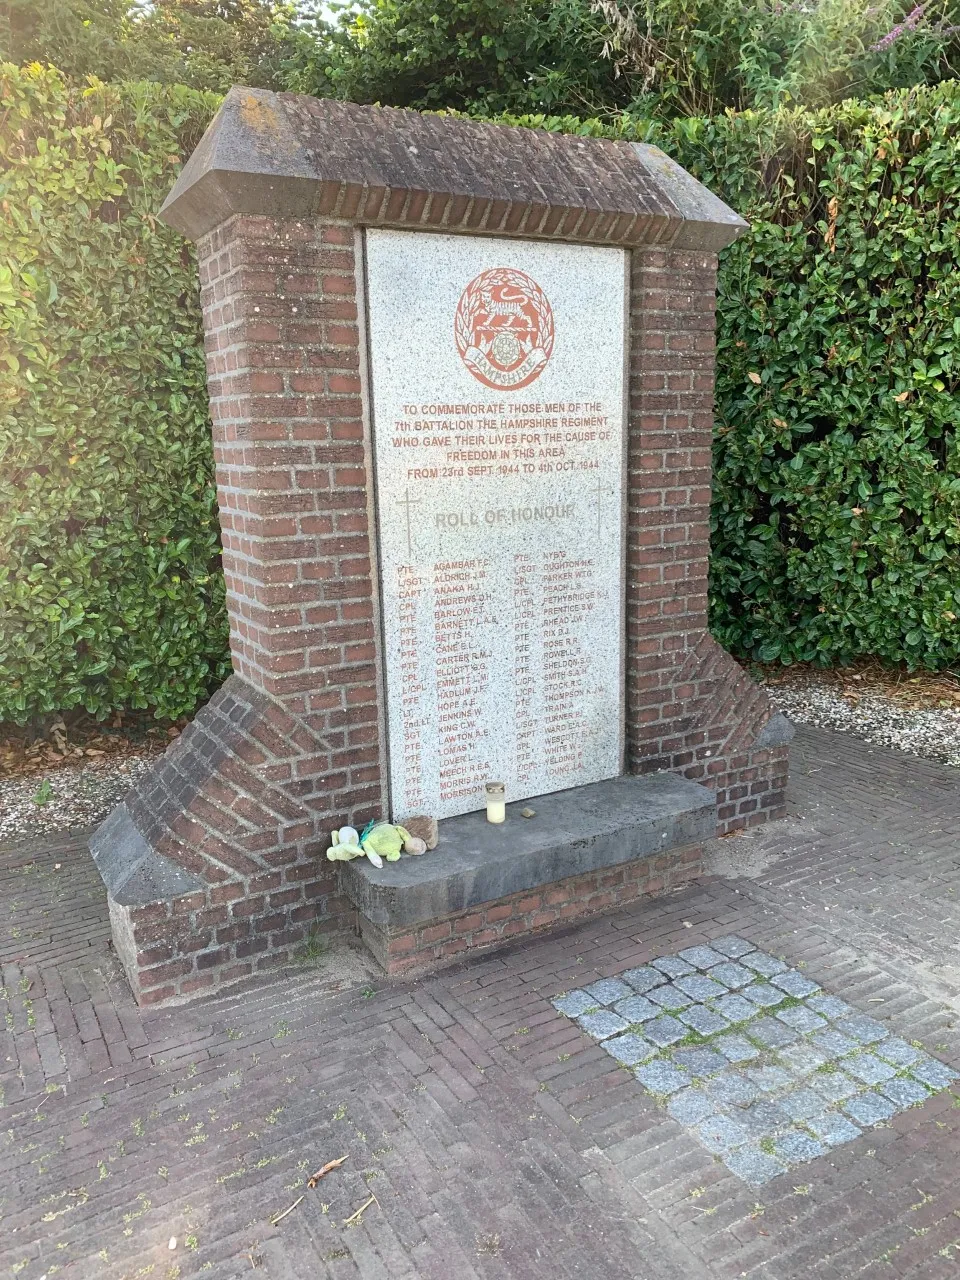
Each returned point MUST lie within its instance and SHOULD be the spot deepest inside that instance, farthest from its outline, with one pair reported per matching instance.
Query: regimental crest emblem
(504, 328)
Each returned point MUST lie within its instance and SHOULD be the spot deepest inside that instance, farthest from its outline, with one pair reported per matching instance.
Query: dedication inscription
(497, 370)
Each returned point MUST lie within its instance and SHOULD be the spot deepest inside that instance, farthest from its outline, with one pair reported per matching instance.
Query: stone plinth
(641, 833)
(215, 863)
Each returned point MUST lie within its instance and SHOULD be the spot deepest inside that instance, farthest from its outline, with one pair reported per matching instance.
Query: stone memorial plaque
(497, 373)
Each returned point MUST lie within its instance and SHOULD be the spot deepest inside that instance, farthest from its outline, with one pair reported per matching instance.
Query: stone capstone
(602, 824)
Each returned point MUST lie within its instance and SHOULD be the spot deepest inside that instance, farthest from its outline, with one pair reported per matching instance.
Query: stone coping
(603, 824)
(133, 872)
(284, 155)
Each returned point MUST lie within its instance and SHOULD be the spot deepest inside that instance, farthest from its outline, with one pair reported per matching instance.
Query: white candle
(496, 803)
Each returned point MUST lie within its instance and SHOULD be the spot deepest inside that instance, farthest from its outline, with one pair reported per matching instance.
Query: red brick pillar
(690, 707)
(290, 746)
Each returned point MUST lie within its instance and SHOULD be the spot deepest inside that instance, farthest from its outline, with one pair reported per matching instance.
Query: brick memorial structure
(461, 383)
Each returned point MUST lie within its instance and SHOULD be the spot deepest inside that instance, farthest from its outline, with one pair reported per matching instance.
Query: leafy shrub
(837, 475)
(836, 515)
(110, 590)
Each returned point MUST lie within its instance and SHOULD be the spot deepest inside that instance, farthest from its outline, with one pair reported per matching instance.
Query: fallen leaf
(327, 1168)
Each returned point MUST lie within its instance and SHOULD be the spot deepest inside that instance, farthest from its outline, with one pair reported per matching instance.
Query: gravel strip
(933, 734)
(82, 795)
(79, 795)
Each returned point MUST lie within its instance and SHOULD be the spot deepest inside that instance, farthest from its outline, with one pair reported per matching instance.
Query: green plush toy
(385, 840)
(379, 840)
(345, 845)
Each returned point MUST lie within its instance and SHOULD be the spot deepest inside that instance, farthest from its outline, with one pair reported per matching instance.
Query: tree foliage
(206, 44)
(659, 59)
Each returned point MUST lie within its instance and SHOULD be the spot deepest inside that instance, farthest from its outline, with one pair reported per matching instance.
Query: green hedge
(837, 511)
(111, 593)
(836, 515)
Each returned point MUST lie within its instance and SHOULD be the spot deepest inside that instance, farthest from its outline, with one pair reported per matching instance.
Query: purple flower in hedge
(910, 23)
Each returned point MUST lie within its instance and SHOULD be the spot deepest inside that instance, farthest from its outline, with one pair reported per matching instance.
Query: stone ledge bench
(587, 849)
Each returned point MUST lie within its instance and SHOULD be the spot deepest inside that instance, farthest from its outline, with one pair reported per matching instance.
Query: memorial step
(575, 833)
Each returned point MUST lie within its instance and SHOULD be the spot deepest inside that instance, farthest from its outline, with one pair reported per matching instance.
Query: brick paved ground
(499, 1138)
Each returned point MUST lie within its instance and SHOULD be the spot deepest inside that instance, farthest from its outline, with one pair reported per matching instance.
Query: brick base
(752, 789)
(214, 864)
(438, 942)
(204, 941)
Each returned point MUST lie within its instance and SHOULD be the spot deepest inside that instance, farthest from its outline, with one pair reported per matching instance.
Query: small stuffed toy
(379, 840)
(385, 840)
(345, 845)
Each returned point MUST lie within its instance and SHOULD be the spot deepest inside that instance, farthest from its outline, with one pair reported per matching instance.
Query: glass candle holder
(496, 802)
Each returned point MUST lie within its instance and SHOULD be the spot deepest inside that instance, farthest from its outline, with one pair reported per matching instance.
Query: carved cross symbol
(408, 502)
(601, 492)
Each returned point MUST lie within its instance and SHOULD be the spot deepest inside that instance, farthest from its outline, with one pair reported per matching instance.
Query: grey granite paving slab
(643, 978)
(860, 1027)
(735, 1008)
(661, 1077)
(637, 1009)
(731, 944)
(934, 1073)
(904, 1092)
(731, 974)
(795, 984)
(690, 1106)
(574, 1003)
(721, 1133)
(700, 988)
(734, 1089)
(704, 1021)
(771, 1033)
(766, 1074)
(834, 1043)
(832, 1128)
(629, 1048)
(753, 1166)
(834, 1085)
(801, 1104)
(763, 995)
(664, 1031)
(763, 1119)
(608, 990)
(701, 957)
(769, 1078)
(764, 964)
(829, 1006)
(869, 1108)
(670, 997)
(700, 1062)
(673, 966)
(736, 1048)
(802, 1059)
(868, 1068)
(898, 1052)
(798, 1147)
(801, 1018)
(602, 1024)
